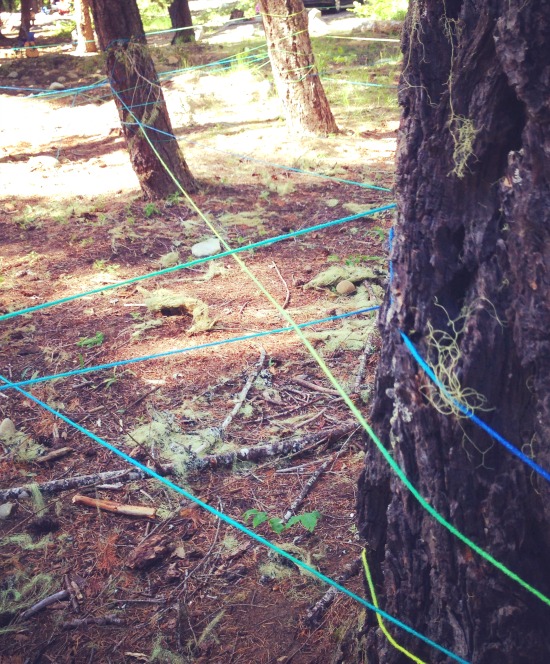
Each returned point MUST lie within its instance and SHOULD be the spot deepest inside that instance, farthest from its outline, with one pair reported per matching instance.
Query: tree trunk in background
(180, 16)
(305, 105)
(472, 241)
(25, 27)
(139, 99)
(84, 30)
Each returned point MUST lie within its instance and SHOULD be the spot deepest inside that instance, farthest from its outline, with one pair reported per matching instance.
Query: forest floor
(180, 585)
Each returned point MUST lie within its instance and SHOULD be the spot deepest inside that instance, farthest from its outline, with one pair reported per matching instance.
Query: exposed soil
(181, 586)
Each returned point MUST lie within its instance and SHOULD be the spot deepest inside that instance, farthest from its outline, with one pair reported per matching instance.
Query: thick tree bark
(305, 105)
(139, 99)
(180, 17)
(473, 246)
(84, 30)
(25, 27)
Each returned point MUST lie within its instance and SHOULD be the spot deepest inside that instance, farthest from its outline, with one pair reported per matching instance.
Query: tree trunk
(84, 30)
(305, 105)
(25, 27)
(180, 16)
(139, 99)
(472, 246)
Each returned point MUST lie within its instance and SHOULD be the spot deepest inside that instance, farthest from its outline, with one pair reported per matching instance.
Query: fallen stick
(315, 387)
(287, 298)
(82, 622)
(68, 483)
(262, 452)
(244, 392)
(317, 611)
(55, 454)
(117, 508)
(43, 603)
(255, 454)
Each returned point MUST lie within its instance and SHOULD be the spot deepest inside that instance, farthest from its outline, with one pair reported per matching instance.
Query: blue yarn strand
(169, 353)
(469, 414)
(199, 261)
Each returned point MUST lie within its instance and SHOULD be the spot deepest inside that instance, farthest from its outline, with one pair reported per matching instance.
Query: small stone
(7, 428)
(206, 248)
(61, 79)
(172, 60)
(345, 287)
(9, 207)
(56, 85)
(6, 510)
(13, 74)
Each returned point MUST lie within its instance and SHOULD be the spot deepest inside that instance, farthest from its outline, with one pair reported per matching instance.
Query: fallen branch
(68, 483)
(317, 611)
(51, 599)
(262, 452)
(117, 508)
(55, 454)
(244, 392)
(82, 622)
(315, 387)
(255, 454)
(287, 298)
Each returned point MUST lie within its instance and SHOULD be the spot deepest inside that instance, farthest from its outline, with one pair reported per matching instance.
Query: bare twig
(51, 599)
(244, 392)
(55, 454)
(72, 595)
(287, 298)
(317, 611)
(315, 387)
(117, 508)
(82, 622)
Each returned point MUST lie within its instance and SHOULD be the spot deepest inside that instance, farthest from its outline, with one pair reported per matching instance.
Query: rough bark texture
(477, 244)
(180, 17)
(305, 105)
(139, 98)
(25, 26)
(84, 30)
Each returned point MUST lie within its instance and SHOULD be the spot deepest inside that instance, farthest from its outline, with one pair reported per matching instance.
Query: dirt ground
(181, 586)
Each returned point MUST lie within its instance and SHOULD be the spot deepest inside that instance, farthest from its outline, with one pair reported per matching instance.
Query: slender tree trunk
(139, 98)
(180, 16)
(472, 246)
(84, 30)
(25, 27)
(299, 87)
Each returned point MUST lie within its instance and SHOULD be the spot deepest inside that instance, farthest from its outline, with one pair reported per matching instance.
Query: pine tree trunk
(25, 27)
(180, 17)
(139, 99)
(299, 87)
(84, 30)
(472, 246)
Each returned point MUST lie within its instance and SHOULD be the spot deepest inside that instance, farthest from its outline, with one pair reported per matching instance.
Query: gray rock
(7, 428)
(13, 74)
(206, 248)
(56, 85)
(6, 510)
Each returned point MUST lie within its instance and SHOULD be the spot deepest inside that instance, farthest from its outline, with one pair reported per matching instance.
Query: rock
(56, 85)
(6, 510)
(345, 287)
(61, 79)
(9, 207)
(7, 428)
(13, 74)
(172, 60)
(206, 248)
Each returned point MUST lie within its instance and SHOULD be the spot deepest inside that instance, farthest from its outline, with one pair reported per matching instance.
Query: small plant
(90, 342)
(150, 210)
(308, 520)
